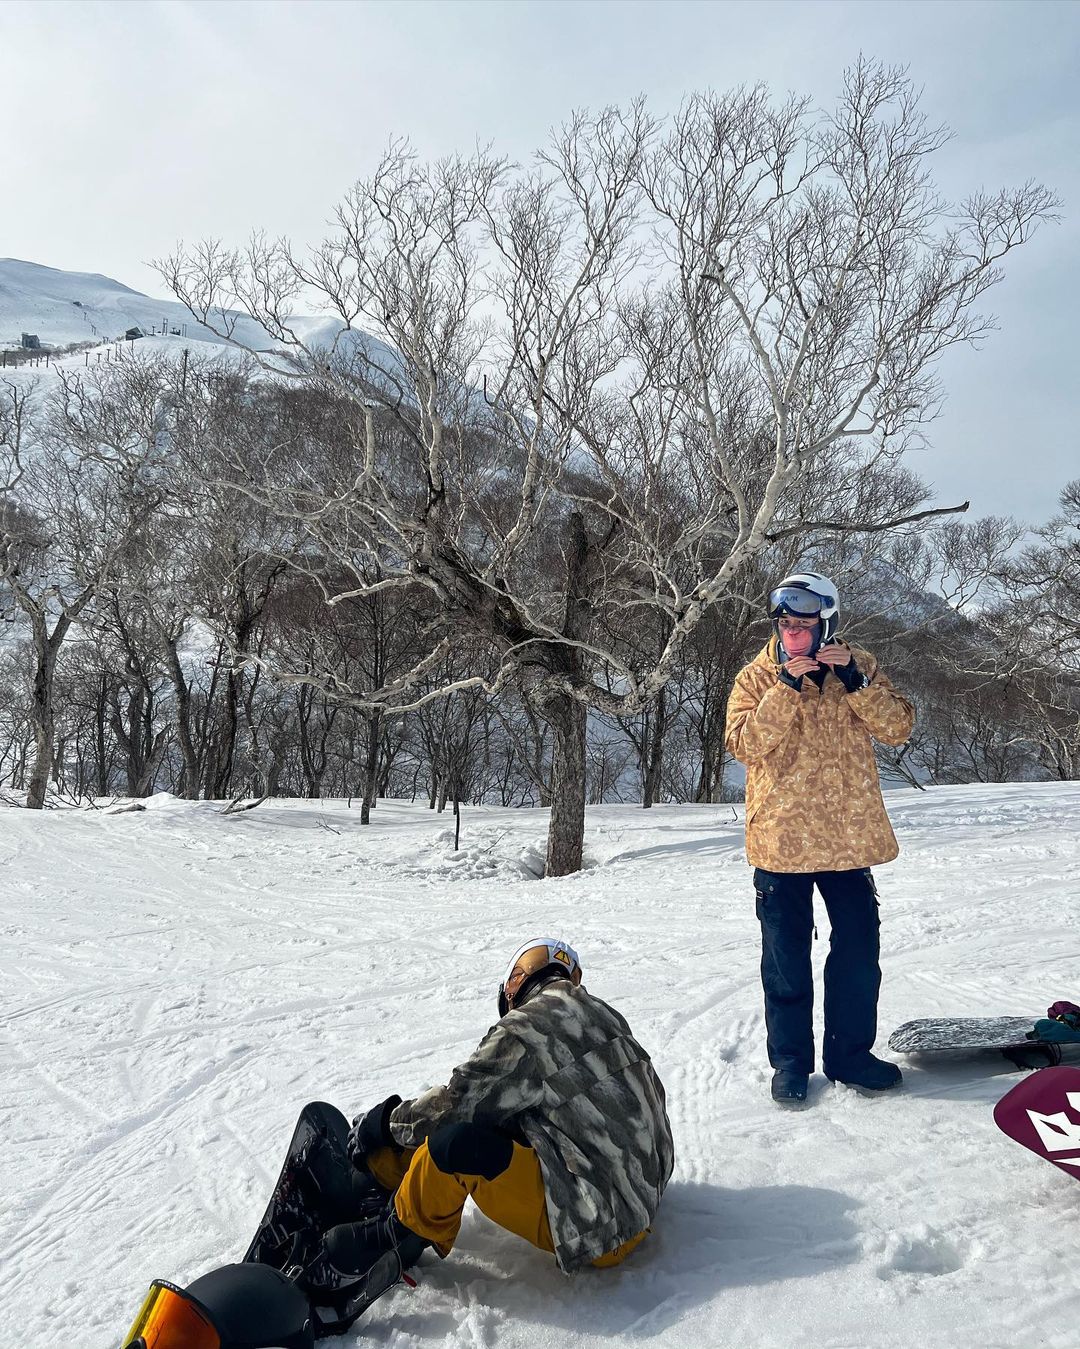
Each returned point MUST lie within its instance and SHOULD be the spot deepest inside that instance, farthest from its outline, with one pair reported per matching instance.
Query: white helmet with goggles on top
(807, 594)
(541, 955)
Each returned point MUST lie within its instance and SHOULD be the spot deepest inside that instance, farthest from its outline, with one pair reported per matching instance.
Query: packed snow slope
(177, 983)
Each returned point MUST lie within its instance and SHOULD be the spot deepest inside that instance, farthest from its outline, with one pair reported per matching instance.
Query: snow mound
(486, 854)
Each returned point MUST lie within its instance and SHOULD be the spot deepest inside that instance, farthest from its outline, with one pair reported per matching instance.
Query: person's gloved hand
(842, 663)
(371, 1131)
(792, 671)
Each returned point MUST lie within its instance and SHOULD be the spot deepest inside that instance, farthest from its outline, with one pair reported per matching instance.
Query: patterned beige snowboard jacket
(813, 799)
(562, 1073)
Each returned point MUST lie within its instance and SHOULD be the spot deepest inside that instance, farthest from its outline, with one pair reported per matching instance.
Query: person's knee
(852, 900)
(856, 945)
(470, 1150)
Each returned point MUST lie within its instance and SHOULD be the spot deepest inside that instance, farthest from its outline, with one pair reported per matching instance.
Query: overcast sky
(130, 125)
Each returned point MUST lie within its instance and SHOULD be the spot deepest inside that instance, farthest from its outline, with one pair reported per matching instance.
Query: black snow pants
(785, 909)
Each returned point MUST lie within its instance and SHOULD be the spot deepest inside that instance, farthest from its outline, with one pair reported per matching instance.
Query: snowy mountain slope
(177, 984)
(63, 307)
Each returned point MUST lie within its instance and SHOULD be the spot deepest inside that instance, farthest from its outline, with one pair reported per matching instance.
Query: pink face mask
(798, 641)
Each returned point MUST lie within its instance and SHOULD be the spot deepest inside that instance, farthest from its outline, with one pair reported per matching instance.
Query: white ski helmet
(532, 958)
(807, 594)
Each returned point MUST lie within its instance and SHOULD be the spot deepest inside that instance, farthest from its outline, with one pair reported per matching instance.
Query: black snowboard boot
(354, 1263)
(789, 1089)
(353, 1248)
(385, 1272)
(868, 1074)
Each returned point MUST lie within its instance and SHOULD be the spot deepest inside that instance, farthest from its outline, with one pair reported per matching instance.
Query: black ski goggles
(794, 600)
(171, 1319)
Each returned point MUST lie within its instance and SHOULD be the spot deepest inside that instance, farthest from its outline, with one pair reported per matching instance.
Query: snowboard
(295, 1199)
(1014, 1036)
(1043, 1115)
(317, 1188)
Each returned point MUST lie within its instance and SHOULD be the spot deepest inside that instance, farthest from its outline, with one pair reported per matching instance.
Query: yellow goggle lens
(169, 1319)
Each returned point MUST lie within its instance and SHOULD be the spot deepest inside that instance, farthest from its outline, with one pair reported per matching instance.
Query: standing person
(802, 717)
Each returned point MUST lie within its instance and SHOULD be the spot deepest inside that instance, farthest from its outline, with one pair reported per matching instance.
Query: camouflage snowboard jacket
(813, 800)
(562, 1072)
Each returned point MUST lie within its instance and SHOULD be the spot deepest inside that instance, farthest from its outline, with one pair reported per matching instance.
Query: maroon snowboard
(1042, 1113)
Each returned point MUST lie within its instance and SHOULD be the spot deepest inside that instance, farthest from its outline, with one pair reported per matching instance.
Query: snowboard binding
(1032, 1056)
(1026, 1044)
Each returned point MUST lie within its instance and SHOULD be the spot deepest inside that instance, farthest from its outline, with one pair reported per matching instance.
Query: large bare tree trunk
(568, 719)
(44, 749)
(654, 751)
(43, 708)
(568, 716)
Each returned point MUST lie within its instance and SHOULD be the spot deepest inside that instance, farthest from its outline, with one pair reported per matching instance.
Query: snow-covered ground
(176, 984)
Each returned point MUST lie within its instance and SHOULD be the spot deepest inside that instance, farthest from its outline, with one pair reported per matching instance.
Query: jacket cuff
(400, 1127)
(858, 683)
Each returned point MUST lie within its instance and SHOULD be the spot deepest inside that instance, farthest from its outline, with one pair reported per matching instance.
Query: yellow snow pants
(431, 1202)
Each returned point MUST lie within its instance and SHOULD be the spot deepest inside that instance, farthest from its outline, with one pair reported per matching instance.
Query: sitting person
(556, 1128)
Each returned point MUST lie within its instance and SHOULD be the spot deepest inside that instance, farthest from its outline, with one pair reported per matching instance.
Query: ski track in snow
(176, 984)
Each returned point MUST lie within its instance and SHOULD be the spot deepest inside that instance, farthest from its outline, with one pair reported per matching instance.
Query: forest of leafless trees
(507, 539)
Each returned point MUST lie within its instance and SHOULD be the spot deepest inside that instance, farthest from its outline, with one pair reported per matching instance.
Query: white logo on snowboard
(1058, 1133)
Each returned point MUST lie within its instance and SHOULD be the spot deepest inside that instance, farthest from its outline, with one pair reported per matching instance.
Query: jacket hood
(537, 983)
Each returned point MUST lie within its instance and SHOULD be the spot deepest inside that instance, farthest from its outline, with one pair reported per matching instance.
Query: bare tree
(1037, 616)
(84, 491)
(613, 380)
(16, 402)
